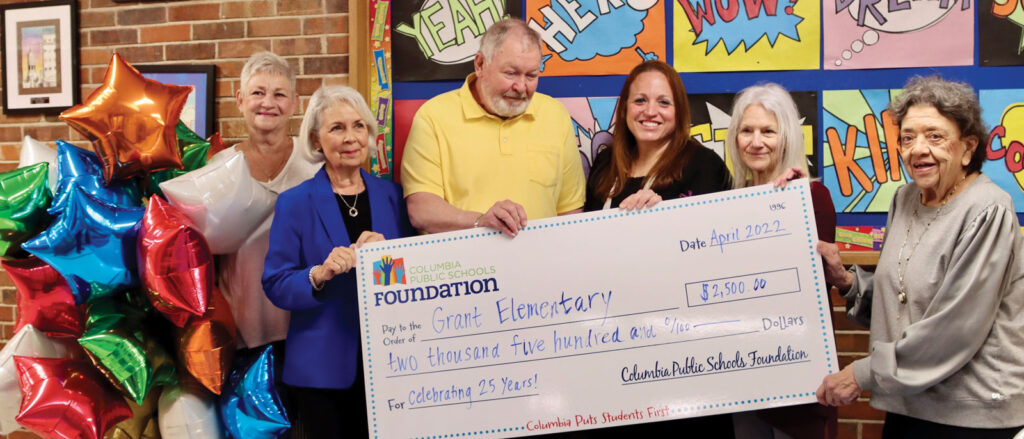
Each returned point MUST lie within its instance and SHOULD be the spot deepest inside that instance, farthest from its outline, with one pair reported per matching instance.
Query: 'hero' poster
(597, 37)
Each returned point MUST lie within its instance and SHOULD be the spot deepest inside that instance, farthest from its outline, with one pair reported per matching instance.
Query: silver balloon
(34, 151)
(188, 412)
(224, 202)
(28, 342)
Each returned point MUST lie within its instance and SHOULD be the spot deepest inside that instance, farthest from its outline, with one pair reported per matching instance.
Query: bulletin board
(848, 56)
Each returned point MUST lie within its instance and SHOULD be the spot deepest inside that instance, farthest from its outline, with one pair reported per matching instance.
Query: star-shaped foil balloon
(208, 345)
(28, 342)
(79, 167)
(251, 405)
(194, 153)
(132, 121)
(34, 151)
(142, 424)
(188, 411)
(24, 197)
(64, 398)
(213, 198)
(174, 262)
(119, 347)
(92, 244)
(44, 298)
(216, 145)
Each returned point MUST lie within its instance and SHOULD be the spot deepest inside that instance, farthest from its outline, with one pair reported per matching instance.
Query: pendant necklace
(352, 211)
(901, 264)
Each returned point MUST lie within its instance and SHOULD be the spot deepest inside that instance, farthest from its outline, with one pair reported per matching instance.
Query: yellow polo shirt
(472, 159)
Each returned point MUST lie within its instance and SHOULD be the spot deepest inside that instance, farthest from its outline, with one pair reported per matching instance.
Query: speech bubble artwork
(1012, 10)
(1010, 147)
(579, 30)
(892, 16)
(448, 31)
(732, 22)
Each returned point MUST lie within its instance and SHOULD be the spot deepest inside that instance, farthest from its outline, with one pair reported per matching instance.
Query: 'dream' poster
(871, 34)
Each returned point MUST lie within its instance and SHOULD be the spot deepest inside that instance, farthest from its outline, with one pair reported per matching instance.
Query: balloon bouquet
(112, 278)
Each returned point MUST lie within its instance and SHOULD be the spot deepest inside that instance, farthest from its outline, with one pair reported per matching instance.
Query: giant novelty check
(697, 306)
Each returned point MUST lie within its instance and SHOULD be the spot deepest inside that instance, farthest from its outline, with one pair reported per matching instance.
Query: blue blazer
(323, 336)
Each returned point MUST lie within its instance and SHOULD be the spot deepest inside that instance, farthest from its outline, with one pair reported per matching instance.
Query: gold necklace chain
(901, 264)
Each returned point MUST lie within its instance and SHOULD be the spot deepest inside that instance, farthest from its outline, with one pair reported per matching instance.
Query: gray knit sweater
(954, 354)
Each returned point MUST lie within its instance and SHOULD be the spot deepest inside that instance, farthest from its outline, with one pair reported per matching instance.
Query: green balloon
(123, 352)
(193, 156)
(24, 198)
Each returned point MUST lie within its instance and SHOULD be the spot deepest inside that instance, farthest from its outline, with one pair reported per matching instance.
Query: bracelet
(313, 282)
(477, 222)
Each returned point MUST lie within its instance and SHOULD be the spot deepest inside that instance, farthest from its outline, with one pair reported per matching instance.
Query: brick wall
(312, 35)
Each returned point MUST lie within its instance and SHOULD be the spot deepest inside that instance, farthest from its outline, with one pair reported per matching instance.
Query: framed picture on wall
(40, 56)
(198, 113)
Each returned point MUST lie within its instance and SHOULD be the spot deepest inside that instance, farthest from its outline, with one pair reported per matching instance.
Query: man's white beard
(503, 108)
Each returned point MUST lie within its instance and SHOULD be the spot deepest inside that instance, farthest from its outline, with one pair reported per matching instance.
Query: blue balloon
(251, 405)
(92, 244)
(76, 166)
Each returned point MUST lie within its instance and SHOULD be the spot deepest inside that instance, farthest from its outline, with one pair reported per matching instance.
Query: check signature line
(473, 402)
(715, 373)
(549, 324)
(571, 355)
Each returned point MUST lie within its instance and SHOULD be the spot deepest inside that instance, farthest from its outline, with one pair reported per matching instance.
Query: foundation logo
(388, 271)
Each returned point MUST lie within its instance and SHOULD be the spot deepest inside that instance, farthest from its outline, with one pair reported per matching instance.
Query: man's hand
(506, 216)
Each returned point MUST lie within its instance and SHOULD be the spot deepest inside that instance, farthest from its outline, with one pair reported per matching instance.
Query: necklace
(352, 211)
(901, 263)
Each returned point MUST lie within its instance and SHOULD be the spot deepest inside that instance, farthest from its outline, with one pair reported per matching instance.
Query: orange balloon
(132, 122)
(208, 344)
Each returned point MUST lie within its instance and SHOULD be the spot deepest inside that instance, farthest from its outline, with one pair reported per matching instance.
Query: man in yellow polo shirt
(493, 153)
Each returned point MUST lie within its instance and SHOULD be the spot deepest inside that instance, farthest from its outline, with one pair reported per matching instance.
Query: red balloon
(175, 263)
(64, 398)
(208, 344)
(44, 298)
(216, 145)
(132, 121)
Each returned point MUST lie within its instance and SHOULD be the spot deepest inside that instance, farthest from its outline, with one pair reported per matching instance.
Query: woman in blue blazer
(309, 267)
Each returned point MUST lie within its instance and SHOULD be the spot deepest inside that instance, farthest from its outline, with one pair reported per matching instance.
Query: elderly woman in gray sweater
(947, 332)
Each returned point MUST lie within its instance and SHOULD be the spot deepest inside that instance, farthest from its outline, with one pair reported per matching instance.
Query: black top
(704, 173)
(361, 222)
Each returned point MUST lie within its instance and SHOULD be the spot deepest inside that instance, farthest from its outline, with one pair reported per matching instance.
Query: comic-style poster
(871, 34)
(597, 37)
(437, 39)
(593, 120)
(745, 35)
(861, 164)
(1003, 113)
(1001, 32)
(380, 87)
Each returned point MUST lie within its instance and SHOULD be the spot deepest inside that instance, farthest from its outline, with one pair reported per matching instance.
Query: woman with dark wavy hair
(652, 156)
